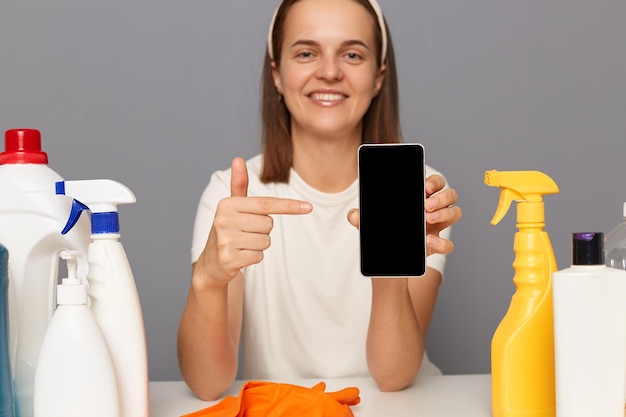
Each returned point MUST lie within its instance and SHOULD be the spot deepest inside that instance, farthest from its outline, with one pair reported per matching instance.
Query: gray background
(158, 94)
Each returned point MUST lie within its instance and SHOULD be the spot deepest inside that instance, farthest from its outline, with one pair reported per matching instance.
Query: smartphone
(392, 224)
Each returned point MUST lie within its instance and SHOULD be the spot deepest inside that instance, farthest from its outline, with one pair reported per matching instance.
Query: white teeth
(327, 97)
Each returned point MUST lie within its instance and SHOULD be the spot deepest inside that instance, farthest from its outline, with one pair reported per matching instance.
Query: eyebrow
(351, 42)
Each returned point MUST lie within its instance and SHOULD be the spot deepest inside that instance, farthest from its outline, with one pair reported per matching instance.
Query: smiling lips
(328, 97)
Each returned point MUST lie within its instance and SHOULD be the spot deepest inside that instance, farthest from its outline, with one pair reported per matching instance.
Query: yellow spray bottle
(522, 348)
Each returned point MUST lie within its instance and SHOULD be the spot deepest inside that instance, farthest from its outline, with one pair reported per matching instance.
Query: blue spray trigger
(77, 209)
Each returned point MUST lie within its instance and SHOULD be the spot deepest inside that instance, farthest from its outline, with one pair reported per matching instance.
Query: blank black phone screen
(391, 208)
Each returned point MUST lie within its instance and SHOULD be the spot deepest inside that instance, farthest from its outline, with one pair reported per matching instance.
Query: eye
(304, 55)
(354, 57)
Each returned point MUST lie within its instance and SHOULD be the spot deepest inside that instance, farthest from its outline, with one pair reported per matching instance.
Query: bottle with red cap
(32, 217)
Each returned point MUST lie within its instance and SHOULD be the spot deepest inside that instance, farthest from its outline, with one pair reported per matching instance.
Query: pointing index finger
(276, 205)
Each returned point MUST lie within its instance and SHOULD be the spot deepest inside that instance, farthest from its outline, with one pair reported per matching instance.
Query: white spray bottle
(75, 376)
(112, 289)
(31, 216)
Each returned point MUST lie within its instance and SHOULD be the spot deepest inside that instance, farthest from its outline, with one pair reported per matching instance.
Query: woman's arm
(208, 335)
(402, 308)
(401, 312)
(210, 327)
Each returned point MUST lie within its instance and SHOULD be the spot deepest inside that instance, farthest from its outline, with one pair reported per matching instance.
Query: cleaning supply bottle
(31, 216)
(615, 250)
(74, 376)
(112, 289)
(589, 332)
(7, 407)
(522, 348)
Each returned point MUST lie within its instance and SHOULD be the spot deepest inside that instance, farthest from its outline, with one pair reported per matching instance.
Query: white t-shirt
(306, 305)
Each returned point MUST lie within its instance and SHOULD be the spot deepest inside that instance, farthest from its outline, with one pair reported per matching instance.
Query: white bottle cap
(72, 291)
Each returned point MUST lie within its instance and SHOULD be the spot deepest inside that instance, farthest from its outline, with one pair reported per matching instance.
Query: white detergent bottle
(74, 376)
(31, 216)
(112, 289)
(589, 332)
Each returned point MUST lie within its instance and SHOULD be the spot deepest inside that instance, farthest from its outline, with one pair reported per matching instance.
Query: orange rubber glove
(269, 399)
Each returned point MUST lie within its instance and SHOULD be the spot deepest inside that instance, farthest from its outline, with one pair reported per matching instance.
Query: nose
(329, 69)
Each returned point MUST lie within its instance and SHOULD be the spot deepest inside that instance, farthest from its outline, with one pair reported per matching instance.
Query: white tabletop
(434, 396)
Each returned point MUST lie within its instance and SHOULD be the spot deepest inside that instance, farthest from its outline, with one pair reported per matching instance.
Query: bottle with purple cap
(589, 332)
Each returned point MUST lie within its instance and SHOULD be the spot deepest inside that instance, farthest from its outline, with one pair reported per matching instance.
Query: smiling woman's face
(328, 70)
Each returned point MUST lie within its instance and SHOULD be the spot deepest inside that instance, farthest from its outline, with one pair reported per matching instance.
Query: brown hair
(381, 122)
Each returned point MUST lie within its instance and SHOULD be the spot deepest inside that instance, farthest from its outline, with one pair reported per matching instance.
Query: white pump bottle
(74, 376)
(112, 289)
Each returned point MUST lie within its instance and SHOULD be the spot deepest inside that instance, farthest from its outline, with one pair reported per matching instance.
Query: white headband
(381, 23)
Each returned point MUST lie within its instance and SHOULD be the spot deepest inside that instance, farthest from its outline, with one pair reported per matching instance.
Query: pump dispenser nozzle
(72, 291)
(101, 197)
(521, 186)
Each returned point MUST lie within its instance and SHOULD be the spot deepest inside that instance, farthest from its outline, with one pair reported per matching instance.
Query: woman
(275, 262)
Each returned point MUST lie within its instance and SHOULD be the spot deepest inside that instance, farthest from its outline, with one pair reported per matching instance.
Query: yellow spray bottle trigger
(520, 186)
